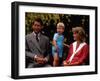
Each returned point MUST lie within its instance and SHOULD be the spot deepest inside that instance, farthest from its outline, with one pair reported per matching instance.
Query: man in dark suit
(37, 47)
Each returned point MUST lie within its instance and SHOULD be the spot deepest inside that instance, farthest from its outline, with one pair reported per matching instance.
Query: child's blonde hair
(60, 24)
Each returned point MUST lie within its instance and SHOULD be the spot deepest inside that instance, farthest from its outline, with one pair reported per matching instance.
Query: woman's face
(76, 36)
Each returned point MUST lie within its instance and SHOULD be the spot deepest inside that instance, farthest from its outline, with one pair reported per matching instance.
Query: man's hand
(40, 59)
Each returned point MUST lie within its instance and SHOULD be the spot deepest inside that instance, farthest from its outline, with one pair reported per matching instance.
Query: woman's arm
(70, 64)
(81, 60)
(66, 45)
(84, 55)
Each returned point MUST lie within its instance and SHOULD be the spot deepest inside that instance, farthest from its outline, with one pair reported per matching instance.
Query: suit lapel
(36, 43)
(41, 41)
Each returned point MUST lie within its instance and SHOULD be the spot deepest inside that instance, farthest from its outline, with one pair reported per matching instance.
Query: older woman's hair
(60, 24)
(81, 32)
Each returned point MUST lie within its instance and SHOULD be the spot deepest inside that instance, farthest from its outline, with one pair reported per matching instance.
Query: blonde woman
(78, 50)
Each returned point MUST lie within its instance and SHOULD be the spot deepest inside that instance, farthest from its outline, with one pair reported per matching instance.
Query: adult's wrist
(35, 57)
(46, 59)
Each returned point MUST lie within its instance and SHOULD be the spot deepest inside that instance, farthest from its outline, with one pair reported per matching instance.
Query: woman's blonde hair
(60, 24)
(81, 32)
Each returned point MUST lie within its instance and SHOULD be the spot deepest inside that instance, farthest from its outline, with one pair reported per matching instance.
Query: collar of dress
(76, 50)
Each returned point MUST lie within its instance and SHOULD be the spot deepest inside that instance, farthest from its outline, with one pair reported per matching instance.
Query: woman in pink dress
(79, 50)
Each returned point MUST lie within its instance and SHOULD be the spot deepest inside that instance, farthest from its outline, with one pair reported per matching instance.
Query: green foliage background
(50, 21)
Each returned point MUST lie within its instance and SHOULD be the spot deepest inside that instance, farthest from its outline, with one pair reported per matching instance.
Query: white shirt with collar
(38, 35)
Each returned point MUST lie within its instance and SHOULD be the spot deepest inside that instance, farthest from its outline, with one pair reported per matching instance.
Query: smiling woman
(79, 51)
(79, 34)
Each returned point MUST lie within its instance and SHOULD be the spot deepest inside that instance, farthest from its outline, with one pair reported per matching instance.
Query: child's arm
(55, 44)
(54, 41)
(66, 45)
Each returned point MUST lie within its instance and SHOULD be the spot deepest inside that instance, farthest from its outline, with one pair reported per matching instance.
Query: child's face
(60, 30)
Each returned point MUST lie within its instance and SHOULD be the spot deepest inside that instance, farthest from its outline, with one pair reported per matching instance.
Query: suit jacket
(33, 47)
(81, 56)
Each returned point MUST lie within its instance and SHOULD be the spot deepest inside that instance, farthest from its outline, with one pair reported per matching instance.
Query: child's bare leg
(56, 60)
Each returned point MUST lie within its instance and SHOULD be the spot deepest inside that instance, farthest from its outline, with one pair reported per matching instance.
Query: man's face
(37, 27)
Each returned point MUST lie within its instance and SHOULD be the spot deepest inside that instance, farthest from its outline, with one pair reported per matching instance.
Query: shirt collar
(35, 34)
